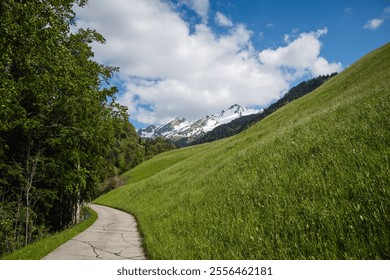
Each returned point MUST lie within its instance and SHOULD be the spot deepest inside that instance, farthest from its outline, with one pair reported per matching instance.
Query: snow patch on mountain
(181, 128)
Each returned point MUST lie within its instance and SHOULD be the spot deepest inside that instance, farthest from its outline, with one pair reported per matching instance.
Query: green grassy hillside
(310, 181)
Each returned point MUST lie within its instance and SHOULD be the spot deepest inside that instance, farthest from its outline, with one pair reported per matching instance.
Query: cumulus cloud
(169, 70)
(373, 24)
(218, 72)
(300, 56)
(223, 20)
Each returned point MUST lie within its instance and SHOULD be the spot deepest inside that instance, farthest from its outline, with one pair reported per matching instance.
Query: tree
(58, 118)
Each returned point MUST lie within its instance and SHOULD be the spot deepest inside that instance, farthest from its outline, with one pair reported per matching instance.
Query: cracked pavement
(113, 236)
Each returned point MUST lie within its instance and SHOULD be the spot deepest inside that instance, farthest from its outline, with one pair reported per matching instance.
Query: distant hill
(310, 181)
(242, 123)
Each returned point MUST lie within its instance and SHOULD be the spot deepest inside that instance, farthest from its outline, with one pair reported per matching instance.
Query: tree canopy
(58, 118)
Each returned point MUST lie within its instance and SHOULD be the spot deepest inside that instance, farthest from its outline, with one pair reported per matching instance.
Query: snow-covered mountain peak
(180, 128)
(233, 112)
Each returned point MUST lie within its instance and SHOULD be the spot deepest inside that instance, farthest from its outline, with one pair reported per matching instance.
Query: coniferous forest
(62, 134)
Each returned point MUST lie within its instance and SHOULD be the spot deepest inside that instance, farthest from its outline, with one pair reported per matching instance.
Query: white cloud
(223, 20)
(322, 67)
(171, 71)
(373, 24)
(286, 38)
(300, 56)
(201, 7)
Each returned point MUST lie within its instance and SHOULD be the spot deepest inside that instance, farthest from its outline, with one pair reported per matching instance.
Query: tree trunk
(17, 233)
(76, 209)
(27, 217)
(31, 170)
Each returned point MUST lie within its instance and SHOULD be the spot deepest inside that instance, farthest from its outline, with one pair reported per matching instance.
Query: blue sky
(347, 39)
(189, 58)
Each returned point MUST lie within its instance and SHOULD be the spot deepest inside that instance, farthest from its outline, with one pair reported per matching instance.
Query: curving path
(113, 236)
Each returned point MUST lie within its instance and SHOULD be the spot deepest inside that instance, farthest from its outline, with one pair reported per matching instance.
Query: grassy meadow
(310, 181)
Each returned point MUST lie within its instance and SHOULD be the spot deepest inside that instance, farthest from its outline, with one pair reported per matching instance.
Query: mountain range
(183, 132)
(226, 122)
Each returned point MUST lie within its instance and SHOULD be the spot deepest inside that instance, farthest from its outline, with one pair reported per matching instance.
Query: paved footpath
(112, 236)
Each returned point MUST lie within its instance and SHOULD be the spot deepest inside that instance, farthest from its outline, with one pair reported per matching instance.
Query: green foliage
(58, 118)
(127, 152)
(156, 146)
(310, 181)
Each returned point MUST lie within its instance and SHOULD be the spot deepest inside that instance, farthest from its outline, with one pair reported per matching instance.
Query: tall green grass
(310, 181)
(42, 247)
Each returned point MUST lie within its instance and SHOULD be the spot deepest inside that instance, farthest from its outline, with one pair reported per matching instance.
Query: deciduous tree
(58, 117)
